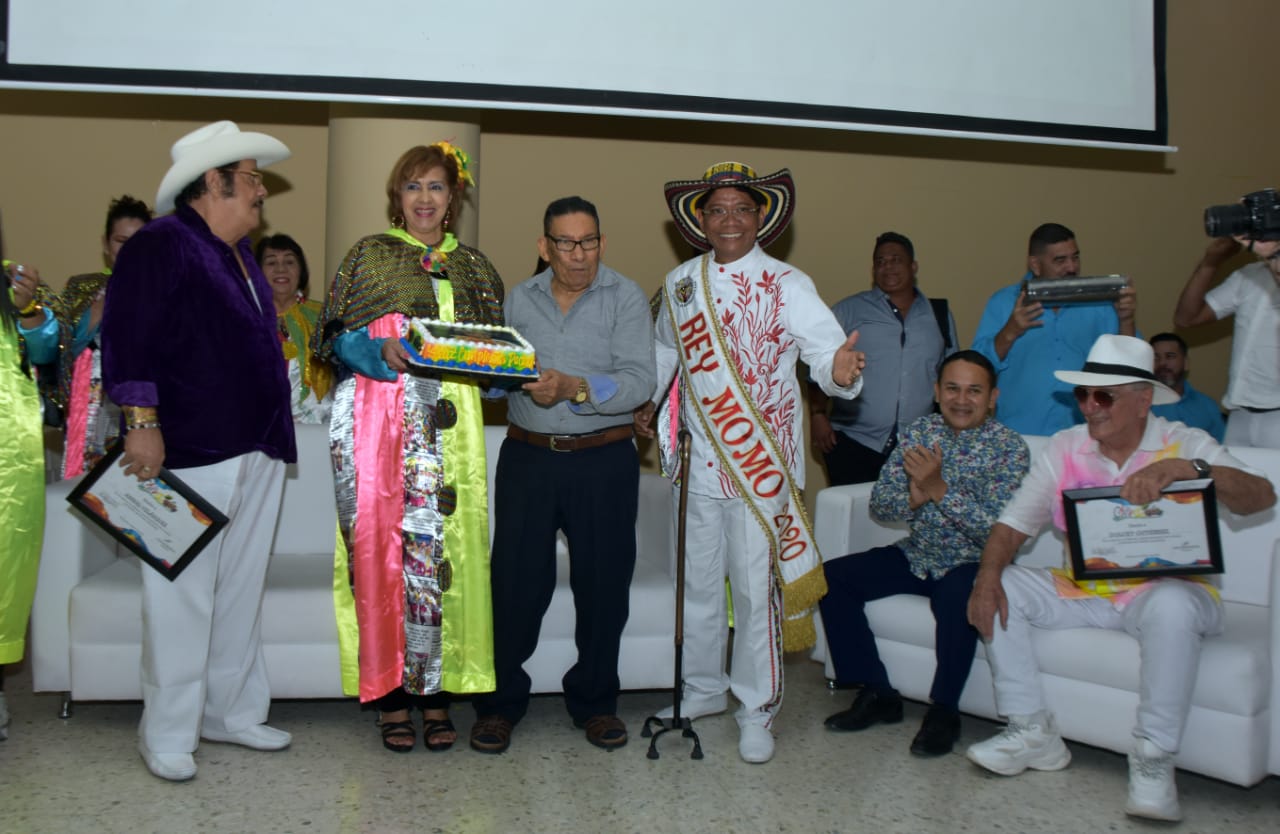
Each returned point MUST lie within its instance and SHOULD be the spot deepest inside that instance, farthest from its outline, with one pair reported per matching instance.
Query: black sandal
(398, 731)
(435, 727)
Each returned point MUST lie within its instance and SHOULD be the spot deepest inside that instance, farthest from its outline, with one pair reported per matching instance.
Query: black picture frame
(1078, 539)
(106, 485)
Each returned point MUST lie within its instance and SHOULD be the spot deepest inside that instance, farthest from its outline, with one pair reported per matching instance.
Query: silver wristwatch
(1202, 467)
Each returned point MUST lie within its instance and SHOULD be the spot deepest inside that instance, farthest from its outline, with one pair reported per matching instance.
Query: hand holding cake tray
(486, 350)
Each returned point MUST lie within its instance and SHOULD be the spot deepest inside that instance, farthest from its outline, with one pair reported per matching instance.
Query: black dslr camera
(1256, 216)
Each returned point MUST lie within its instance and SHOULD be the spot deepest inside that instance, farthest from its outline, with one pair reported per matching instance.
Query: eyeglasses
(255, 177)
(566, 244)
(1101, 396)
(741, 211)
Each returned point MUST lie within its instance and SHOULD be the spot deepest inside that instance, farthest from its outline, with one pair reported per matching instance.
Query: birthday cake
(469, 348)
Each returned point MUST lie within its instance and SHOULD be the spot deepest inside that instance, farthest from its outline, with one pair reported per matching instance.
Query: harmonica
(1075, 290)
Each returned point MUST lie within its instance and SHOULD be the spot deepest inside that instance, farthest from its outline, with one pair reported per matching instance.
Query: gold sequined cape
(382, 274)
(68, 307)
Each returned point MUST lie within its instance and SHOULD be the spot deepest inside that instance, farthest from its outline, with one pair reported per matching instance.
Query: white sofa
(1090, 675)
(86, 626)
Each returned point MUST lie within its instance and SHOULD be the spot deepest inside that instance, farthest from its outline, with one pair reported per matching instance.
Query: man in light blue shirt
(1026, 342)
(1194, 409)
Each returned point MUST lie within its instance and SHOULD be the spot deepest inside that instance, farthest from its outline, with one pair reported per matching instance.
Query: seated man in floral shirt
(950, 476)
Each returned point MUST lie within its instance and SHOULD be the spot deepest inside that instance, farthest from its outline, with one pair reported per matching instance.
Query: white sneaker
(257, 737)
(755, 745)
(697, 707)
(176, 767)
(4, 718)
(1027, 741)
(1153, 793)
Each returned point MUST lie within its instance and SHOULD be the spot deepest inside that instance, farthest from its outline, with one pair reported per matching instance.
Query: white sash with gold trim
(747, 450)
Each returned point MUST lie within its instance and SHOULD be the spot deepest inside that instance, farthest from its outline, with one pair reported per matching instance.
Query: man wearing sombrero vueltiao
(732, 322)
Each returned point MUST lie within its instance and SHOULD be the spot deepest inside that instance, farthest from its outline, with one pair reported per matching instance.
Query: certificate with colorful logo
(1113, 539)
(161, 519)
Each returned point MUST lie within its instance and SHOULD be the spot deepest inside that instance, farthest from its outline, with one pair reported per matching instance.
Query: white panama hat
(1120, 360)
(220, 143)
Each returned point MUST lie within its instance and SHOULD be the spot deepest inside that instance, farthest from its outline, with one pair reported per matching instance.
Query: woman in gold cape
(412, 562)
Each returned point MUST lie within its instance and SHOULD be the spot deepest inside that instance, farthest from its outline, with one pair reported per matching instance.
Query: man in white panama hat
(1121, 444)
(190, 352)
(733, 322)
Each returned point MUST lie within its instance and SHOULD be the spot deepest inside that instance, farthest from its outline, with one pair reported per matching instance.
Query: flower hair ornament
(461, 159)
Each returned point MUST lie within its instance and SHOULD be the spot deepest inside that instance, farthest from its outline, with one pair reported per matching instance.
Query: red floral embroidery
(758, 342)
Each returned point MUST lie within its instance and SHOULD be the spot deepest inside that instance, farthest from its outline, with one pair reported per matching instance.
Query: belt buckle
(551, 444)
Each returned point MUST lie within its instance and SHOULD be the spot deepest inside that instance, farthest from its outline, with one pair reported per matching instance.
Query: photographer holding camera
(1252, 295)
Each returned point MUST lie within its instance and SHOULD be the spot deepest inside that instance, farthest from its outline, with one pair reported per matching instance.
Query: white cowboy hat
(220, 143)
(1119, 360)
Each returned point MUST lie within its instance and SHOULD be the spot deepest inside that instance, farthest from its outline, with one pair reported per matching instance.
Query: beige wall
(968, 205)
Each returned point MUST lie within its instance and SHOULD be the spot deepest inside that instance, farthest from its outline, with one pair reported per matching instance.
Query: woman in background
(412, 557)
(310, 379)
(27, 334)
(92, 421)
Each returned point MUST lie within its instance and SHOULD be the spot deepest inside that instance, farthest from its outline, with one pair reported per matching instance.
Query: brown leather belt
(571, 442)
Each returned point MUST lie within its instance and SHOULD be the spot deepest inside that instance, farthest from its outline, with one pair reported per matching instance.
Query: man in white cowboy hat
(1121, 444)
(733, 322)
(190, 352)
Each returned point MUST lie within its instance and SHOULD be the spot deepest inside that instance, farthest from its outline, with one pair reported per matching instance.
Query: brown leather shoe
(604, 731)
(491, 734)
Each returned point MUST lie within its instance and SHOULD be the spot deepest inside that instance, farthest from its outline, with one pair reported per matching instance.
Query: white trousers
(1248, 428)
(724, 539)
(1168, 621)
(201, 639)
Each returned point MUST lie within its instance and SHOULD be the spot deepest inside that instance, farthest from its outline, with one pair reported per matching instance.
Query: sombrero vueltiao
(778, 190)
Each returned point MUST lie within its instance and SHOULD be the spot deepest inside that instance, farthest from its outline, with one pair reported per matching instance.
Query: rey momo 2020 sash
(748, 452)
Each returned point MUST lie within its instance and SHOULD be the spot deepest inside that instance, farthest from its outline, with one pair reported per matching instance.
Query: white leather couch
(1090, 675)
(86, 626)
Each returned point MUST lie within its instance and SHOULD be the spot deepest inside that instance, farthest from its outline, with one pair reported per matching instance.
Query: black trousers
(853, 581)
(592, 496)
(852, 463)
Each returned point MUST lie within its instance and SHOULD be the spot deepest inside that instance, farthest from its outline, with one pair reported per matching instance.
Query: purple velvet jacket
(181, 332)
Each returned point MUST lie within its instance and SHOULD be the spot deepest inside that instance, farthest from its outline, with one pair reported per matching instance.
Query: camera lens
(1225, 221)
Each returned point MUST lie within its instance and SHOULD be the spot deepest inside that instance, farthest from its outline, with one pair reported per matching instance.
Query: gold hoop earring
(397, 222)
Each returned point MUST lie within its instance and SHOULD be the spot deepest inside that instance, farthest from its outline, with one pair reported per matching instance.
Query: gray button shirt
(606, 337)
(903, 355)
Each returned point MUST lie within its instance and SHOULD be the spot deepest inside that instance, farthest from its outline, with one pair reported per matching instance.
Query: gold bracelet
(134, 414)
(31, 309)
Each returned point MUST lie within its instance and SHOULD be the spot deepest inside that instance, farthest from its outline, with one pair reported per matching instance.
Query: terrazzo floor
(84, 775)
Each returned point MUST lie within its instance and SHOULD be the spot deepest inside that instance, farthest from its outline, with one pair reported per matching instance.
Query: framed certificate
(162, 520)
(1113, 539)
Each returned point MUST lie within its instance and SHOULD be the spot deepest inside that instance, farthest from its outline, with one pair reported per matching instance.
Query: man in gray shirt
(569, 463)
(903, 332)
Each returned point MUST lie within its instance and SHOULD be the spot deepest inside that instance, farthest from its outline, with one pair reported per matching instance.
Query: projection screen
(1084, 72)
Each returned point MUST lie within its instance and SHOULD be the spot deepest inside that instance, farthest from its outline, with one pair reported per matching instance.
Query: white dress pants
(201, 640)
(1250, 428)
(724, 539)
(1168, 621)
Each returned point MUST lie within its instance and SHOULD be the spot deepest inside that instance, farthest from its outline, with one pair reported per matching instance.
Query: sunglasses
(1101, 397)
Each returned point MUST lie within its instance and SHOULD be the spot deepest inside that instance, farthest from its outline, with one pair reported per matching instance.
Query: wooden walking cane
(676, 721)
